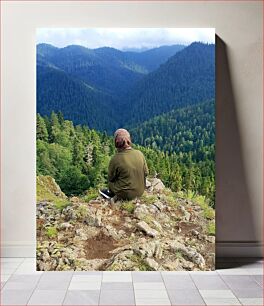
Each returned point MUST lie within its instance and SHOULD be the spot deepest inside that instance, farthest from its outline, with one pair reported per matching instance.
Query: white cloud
(124, 37)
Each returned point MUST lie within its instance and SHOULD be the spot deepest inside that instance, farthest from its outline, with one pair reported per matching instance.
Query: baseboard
(18, 249)
(223, 249)
(239, 249)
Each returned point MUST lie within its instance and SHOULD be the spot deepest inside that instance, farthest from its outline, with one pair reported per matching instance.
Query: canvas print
(125, 147)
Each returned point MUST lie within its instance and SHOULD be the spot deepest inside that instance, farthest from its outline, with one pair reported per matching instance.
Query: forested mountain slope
(101, 89)
(186, 78)
(58, 91)
(183, 130)
(78, 157)
(107, 69)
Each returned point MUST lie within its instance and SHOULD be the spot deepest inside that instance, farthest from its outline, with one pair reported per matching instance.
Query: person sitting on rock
(127, 170)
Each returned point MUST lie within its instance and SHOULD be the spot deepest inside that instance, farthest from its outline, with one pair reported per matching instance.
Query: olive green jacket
(127, 174)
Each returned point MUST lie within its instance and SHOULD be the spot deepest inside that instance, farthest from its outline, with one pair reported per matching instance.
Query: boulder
(159, 205)
(81, 233)
(190, 253)
(157, 225)
(141, 211)
(158, 253)
(148, 184)
(143, 226)
(152, 263)
(157, 185)
(145, 249)
(74, 199)
(65, 225)
(186, 214)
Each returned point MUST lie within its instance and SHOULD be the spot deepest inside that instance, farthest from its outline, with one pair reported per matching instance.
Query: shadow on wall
(234, 216)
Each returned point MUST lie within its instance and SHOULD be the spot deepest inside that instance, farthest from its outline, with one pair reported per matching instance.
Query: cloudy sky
(123, 38)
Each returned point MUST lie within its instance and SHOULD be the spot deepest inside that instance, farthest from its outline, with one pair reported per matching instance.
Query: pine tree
(42, 132)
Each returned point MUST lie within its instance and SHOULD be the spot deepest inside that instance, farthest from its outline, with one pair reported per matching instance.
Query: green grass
(128, 206)
(141, 264)
(81, 211)
(45, 192)
(178, 255)
(170, 199)
(148, 219)
(51, 232)
(208, 211)
(168, 192)
(60, 204)
(91, 194)
(148, 199)
(211, 228)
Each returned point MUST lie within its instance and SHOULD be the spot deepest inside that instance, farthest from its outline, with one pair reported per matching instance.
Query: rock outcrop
(159, 231)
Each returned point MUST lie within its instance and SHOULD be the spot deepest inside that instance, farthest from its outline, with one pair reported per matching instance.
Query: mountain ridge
(143, 96)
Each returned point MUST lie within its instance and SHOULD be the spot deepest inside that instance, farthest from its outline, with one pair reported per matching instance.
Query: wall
(239, 106)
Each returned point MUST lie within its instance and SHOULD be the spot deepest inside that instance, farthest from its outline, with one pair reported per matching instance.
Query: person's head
(122, 139)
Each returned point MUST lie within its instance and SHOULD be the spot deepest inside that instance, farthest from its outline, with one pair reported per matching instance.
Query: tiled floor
(237, 283)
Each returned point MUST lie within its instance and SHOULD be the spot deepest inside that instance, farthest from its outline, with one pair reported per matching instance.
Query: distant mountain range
(106, 88)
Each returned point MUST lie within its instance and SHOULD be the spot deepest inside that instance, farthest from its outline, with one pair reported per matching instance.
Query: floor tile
(170, 273)
(258, 279)
(5, 277)
(59, 274)
(87, 278)
(240, 282)
(251, 301)
(248, 293)
(27, 268)
(233, 271)
(117, 286)
(85, 286)
(24, 278)
(149, 286)
(8, 270)
(47, 297)
(49, 281)
(209, 282)
(30, 260)
(254, 271)
(87, 273)
(146, 277)
(82, 297)
(179, 282)
(150, 302)
(15, 297)
(12, 259)
(222, 301)
(151, 294)
(117, 277)
(12, 265)
(185, 297)
(20, 285)
(117, 297)
(217, 294)
(207, 273)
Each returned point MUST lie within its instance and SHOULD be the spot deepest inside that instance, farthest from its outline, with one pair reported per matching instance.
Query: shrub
(148, 199)
(128, 206)
(91, 194)
(51, 232)
(211, 228)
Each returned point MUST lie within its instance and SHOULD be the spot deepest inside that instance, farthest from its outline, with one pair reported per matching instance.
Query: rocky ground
(161, 230)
